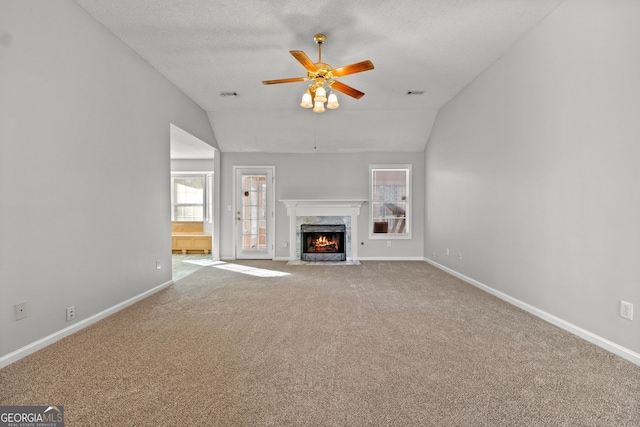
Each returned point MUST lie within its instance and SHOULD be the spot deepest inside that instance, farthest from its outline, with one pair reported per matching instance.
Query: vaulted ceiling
(212, 48)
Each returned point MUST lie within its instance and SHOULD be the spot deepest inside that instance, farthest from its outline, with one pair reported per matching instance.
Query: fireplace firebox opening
(323, 242)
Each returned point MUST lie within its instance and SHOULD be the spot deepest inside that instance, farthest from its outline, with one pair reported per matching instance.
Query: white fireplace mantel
(323, 207)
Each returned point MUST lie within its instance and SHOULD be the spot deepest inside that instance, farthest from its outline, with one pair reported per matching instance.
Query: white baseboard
(360, 258)
(389, 258)
(385, 258)
(604, 343)
(56, 336)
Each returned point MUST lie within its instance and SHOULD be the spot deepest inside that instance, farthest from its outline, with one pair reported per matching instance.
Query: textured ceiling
(206, 47)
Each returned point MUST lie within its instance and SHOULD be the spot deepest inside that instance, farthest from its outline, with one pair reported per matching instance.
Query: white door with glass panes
(254, 214)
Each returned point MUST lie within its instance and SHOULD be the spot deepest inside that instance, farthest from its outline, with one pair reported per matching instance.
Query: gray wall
(533, 171)
(192, 165)
(326, 176)
(84, 168)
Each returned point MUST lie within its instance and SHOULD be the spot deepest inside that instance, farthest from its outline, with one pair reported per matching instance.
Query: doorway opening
(194, 193)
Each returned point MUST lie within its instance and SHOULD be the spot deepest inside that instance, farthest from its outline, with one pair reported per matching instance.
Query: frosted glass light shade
(333, 102)
(319, 107)
(321, 95)
(306, 100)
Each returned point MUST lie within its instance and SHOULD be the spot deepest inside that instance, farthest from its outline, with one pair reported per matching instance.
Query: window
(188, 198)
(390, 202)
(254, 219)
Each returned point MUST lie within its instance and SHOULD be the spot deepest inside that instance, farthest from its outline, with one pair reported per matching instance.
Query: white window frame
(206, 213)
(408, 201)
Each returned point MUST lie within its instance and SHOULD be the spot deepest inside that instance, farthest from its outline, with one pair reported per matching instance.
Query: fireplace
(320, 211)
(323, 242)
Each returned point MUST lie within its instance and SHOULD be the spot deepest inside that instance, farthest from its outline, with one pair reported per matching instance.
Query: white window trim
(392, 236)
(206, 211)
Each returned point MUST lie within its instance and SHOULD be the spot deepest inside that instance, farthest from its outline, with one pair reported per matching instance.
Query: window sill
(389, 236)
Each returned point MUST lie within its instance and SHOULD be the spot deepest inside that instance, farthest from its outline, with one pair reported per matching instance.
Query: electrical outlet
(626, 310)
(388, 243)
(158, 265)
(21, 310)
(460, 256)
(71, 313)
(447, 251)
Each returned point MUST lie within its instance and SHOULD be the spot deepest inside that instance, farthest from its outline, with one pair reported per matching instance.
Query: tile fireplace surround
(323, 208)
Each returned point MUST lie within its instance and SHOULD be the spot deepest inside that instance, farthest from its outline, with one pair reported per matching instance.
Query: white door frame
(258, 169)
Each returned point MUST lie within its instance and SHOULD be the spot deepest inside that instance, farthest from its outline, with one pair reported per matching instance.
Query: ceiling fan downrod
(320, 38)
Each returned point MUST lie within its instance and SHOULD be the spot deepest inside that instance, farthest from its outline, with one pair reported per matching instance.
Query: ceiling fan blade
(347, 90)
(353, 68)
(304, 60)
(292, 80)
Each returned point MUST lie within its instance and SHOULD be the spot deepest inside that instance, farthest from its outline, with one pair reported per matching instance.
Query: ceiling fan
(320, 74)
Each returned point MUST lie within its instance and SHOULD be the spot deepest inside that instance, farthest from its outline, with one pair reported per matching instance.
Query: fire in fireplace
(322, 242)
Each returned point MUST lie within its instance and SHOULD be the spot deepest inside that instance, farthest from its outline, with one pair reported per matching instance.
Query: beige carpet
(376, 344)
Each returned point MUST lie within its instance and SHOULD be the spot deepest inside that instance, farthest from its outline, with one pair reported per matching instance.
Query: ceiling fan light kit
(323, 75)
(307, 101)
